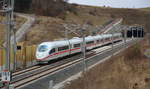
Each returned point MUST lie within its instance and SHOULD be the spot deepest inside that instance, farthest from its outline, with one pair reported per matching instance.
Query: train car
(90, 42)
(98, 40)
(107, 39)
(117, 37)
(75, 45)
(52, 50)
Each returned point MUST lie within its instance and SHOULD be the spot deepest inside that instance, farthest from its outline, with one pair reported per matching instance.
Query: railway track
(26, 70)
(35, 70)
(24, 77)
(44, 69)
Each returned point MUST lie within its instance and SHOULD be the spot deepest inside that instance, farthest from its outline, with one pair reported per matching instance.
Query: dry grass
(45, 29)
(48, 28)
(19, 22)
(146, 9)
(149, 53)
(130, 16)
(86, 17)
(134, 52)
(120, 72)
(146, 43)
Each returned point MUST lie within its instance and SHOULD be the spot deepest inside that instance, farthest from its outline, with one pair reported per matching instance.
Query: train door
(63, 51)
(76, 48)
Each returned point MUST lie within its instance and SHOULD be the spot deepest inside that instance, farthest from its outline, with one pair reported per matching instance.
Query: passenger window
(63, 48)
(98, 41)
(90, 42)
(52, 51)
(76, 45)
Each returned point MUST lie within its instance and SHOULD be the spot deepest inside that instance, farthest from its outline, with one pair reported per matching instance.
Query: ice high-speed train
(47, 51)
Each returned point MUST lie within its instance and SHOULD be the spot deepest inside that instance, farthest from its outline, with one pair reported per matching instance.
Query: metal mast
(84, 47)
(8, 7)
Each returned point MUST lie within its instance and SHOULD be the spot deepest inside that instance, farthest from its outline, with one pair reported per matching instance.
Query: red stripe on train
(58, 53)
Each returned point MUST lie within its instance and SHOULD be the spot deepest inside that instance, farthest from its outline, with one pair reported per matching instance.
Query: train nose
(40, 56)
(42, 51)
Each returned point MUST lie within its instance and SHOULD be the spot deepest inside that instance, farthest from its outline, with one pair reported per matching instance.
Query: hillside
(54, 13)
(48, 28)
(130, 16)
(128, 70)
(19, 22)
(146, 9)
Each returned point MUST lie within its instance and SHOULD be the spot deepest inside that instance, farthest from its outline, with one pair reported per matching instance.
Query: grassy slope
(130, 16)
(48, 28)
(120, 72)
(146, 9)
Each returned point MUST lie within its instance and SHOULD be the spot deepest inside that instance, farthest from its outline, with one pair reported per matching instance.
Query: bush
(54, 8)
(72, 8)
(22, 5)
(133, 52)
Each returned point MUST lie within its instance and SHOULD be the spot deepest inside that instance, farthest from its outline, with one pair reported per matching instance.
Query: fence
(25, 56)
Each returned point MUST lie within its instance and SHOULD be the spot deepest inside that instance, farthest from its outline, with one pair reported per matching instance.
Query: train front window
(42, 48)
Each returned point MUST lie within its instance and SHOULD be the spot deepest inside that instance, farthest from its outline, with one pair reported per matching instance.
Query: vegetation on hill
(54, 8)
(51, 14)
(49, 28)
(46, 28)
(19, 22)
(146, 9)
(22, 5)
(130, 16)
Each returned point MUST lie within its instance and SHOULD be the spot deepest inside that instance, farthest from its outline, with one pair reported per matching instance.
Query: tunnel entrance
(135, 31)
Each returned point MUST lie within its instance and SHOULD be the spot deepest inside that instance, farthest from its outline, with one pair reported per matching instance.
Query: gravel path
(25, 27)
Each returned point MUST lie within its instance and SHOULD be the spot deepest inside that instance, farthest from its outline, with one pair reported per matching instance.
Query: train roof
(97, 37)
(75, 40)
(106, 35)
(89, 38)
(117, 34)
(56, 43)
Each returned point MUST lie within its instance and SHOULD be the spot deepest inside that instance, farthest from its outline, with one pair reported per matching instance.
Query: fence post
(51, 84)
(31, 55)
(1, 58)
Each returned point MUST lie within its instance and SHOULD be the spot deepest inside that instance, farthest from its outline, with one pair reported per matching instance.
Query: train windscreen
(43, 48)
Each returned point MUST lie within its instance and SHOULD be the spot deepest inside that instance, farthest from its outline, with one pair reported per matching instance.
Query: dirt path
(25, 27)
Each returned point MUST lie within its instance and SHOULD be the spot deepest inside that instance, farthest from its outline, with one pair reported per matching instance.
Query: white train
(47, 51)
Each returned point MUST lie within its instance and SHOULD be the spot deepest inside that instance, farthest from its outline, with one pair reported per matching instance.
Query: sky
(115, 3)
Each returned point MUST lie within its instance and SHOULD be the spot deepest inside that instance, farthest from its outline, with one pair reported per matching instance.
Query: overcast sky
(115, 3)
